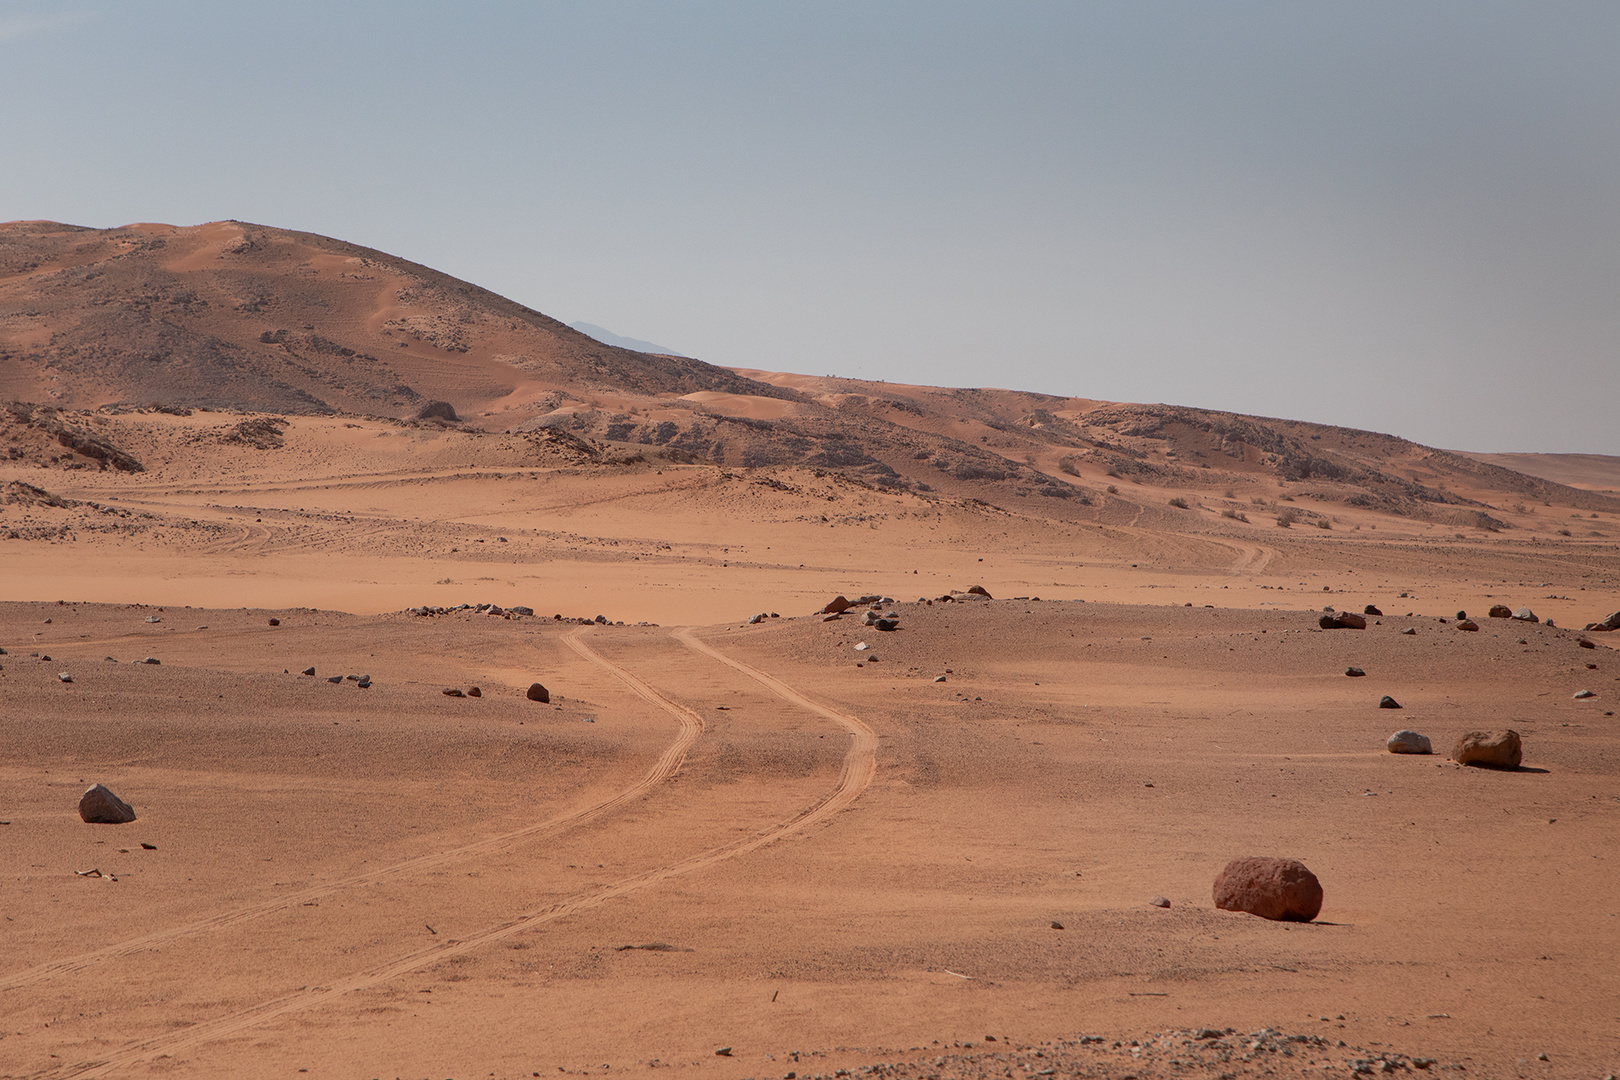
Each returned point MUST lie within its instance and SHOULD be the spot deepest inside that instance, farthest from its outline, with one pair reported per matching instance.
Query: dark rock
(1585, 644)
(1371, 609)
(520, 609)
(452, 692)
(1057, 925)
(1278, 889)
(539, 693)
(1343, 620)
(151, 660)
(1354, 672)
(275, 622)
(335, 679)
(1497, 749)
(438, 410)
(978, 590)
(101, 807)
(1500, 611)
(1387, 702)
(473, 691)
(1582, 695)
(1462, 614)
(886, 624)
(308, 671)
(1468, 624)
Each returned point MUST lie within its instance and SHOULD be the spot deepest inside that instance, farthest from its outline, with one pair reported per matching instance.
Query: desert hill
(240, 317)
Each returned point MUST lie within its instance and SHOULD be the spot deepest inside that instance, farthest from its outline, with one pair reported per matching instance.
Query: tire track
(667, 764)
(859, 767)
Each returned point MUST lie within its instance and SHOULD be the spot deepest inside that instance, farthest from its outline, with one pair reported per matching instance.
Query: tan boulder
(1283, 890)
(1498, 749)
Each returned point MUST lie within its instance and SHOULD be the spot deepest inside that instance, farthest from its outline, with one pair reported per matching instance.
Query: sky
(1400, 215)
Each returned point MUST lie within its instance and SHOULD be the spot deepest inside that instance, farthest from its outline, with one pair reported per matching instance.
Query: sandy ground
(839, 863)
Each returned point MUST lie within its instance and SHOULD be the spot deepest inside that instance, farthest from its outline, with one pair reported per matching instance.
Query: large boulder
(100, 806)
(539, 693)
(1497, 749)
(1409, 742)
(1280, 889)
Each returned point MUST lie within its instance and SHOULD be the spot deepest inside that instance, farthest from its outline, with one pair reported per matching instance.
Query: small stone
(474, 691)
(1496, 749)
(1278, 889)
(1409, 742)
(1160, 901)
(1524, 614)
(1462, 614)
(1586, 643)
(153, 618)
(64, 676)
(275, 622)
(308, 671)
(1387, 702)
(1371, 609)
(752, 619)
(148, 847)
(724, 1051)
(836, 605)
(453, 692)
(99, 806)
(862, 647)
(538, 693)
(1354, 672)
(1582, 695)
(939, 678)
(335, 679)
(151, 660)
(363, 682)
(1468, 624)
(1410, 631)
(1057, 925)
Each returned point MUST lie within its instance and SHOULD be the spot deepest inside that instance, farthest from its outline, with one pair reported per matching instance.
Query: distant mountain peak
(608, 337)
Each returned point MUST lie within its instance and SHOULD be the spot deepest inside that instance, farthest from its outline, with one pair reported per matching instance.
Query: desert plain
(742, 839)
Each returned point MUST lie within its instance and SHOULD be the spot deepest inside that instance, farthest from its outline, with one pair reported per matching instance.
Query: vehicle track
(691, 726)
(859, 767)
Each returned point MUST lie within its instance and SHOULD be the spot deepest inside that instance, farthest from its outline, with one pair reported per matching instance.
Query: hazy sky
(1399, 215)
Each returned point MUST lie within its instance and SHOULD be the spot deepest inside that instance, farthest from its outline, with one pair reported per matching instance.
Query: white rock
(1409, 742)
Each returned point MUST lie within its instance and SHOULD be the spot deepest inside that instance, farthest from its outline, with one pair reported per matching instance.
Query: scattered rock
(885, 624)
(539, 693)
(1410, 631)
(1611, 623)
(724, 1051)
(752, 619)
(1278, 889)
(1354, 672)
(151, 660)
(519, 609)
(335, 679)
(453, 692)
(862, 646)
(153, 618)
(1586, 644)
(1462, 614)
(1500, 611)
(363, 682)
(978, 590)
(148, 847)
(837, 605)
(1582, 695)
(1160, 901)
(100, 806)
(1056, 925)
(831, 618)
(308, 671)
(1468, 624)
(473, 691)
(1344, 620)
(1498, 749)
(1387, 702)
(1409, 742)
(1371, 609)
(939, 678)
(1524, 614)
(275, 622)
(64, 676)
